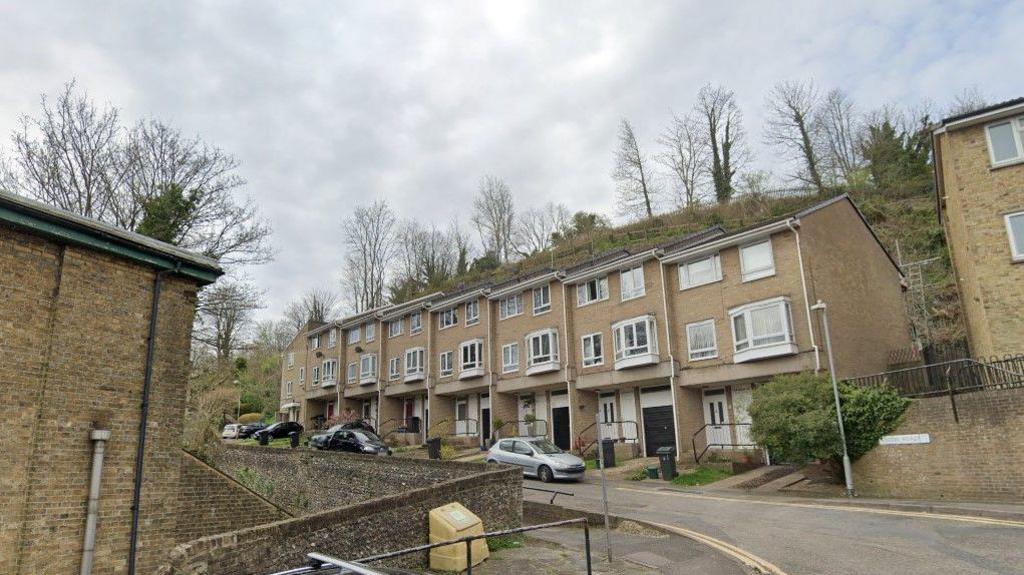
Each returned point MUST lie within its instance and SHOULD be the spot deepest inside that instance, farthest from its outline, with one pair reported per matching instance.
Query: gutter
(793, 225)
(613, 265)
(727, 241)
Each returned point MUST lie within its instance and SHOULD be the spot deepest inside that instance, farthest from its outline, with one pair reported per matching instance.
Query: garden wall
(980, 458)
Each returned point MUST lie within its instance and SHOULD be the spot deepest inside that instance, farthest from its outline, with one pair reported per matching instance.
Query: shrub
(794, 417)
(639, 475)
(250, 418)
(448, 452)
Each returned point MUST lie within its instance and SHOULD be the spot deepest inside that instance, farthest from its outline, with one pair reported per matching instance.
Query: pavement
(791, 535)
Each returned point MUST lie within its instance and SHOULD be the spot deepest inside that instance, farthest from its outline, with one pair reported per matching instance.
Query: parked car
(342, 438)
(278, 430)
(246, 430)
(230, 431)
(538, 457)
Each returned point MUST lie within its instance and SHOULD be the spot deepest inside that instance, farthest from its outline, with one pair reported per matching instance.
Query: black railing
(709, 444)
(553, 492)
(536, 424)
(950, 377)
(450, 428)
(582, 447)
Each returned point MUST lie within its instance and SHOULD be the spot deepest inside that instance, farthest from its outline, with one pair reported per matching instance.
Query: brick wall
(978, 458)
(388, 523)
(216, 503)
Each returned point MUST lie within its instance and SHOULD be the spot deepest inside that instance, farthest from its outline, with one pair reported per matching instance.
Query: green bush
(794, 417)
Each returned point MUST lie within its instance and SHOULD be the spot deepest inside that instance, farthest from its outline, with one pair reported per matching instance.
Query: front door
(716, 416)
(410, 411)
(485, 417)
(560, 427)
(330, 410)
(608, 429)
(461, 416)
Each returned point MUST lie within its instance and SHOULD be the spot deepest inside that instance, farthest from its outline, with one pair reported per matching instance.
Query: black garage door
(659, 430)
(560, 426)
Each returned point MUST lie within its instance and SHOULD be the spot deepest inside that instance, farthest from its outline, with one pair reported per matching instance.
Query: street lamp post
(847, 469)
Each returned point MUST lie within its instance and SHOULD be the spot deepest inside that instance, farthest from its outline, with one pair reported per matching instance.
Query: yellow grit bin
(453, 521)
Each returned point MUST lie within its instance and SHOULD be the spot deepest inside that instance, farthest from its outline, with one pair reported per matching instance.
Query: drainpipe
(492, 396)
(671, 361)
(568, 385)
(99, 439)
(807, 301)
(426, 368)
(140, 451)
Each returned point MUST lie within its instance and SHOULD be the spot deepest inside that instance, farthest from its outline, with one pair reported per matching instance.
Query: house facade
(655, 348)
(979, 175)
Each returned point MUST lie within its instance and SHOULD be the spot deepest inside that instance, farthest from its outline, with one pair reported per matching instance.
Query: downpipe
(99, 439)
(807, 300)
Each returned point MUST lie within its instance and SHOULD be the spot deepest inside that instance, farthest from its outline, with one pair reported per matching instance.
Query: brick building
(979, 176)
(657, 344)
(81, 303)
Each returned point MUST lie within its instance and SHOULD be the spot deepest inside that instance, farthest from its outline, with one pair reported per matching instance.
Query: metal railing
(554, 493)
(470, 427)
(708, 445)
(324, 564)
(541, 423)
(401, 424)
(582, 447)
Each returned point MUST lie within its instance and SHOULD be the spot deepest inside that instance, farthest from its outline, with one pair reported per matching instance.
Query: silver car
(538, 457)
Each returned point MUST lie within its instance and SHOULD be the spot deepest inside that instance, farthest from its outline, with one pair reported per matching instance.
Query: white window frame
(474, 317)
(686, 278)
(545, 303)
(394, 368)
(583, 291)
(288, 389)
(329, 371)
(314, 377)
(758, 273)
(415, 359)
(540, 363)
(447, 318)
(368, 368)
(291, 358)
(1017, 255)
(395, 327)
(352, 373)
(1017, 129)
(635, 290)
(415, 323)
(370, 330)
(592, 360)
(510, 357)
(635, 355)
(474, 368)
(332, 337)
(314, 341)
(446, 363)
(506, 309)
(302, 375)
(781, 343)
(353, 335)
(700, 354)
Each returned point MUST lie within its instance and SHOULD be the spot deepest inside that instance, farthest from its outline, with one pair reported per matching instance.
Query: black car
(278, 430)
(246, 430)
(340, 438)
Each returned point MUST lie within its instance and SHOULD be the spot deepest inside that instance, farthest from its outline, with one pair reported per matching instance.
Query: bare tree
(634, 179)
(274, 335)
(790, 125)
(225, 315)
(317, 304)
(537, 227)
(369, 237)
(839, 128)
(722, 123)
(685, 154)
(967, 100)
(463, 246)
(493, 216)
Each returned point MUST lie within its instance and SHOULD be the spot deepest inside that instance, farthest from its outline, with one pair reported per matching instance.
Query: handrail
(454, 424)
(553, 492)
(579, 436)
(497, 430)
(403, 421)
(947, 377)
(707, 446)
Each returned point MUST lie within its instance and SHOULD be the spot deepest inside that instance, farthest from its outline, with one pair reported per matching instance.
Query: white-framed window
(631, 283)
(332, 337)
(415, 322)
(510, 357)
(368, 366)
(542, 347)
(591, 291)
(315, 376)
(541, 299)
(394, 368)
(448, 318)
(757, 261)
(395, 328)
(314, 342)
(1005, 140)
(353, 372)
(291, 358)
(593, 350)
(371, 331)
(471, 355)
(510, 306)
(352, 335)
(472, 312)
(288, 389)
(330, 369)
(1015, 230)
(699, 272)
(700, 340)
(636, 337)
(446, 363)
(302, 375)
(762, 329)
(414, 361)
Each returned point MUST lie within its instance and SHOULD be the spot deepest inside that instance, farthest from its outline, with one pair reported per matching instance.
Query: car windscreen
(544, 446)
(365, 436)
(335, 429)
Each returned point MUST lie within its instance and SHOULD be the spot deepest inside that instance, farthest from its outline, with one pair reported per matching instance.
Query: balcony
(649, 357)
(414, 376)
(367, 379)
(543, 367)
(765, 352)
(471, 372)
(331, 382)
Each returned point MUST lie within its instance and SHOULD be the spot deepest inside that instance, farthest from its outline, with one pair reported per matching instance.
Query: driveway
(808, 539)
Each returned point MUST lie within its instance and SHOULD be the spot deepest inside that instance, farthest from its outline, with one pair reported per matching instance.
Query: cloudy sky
(333, 104)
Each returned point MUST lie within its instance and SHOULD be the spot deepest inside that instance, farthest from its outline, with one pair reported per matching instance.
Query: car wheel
(491, 461)
(545, 474)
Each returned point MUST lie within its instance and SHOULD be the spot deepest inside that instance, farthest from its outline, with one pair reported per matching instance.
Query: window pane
(739, 328)
(1003, 145)
(1017, 233)
(756, 257)
(766, 321)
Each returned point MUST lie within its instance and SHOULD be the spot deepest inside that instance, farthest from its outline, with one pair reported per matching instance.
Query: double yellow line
(745, 557)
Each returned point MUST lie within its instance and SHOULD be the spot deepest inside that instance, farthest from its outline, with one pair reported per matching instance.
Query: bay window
(591, 291)
(414, 363)
(700, 340)
(330, 368)
(756, 261)
(762, 329)
(631, 283)
(636, 342)
(471, 355)
(542, 351)
(368, 368)
(699, 272)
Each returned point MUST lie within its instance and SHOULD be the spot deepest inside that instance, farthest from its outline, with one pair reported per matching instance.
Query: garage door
(659, 429)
